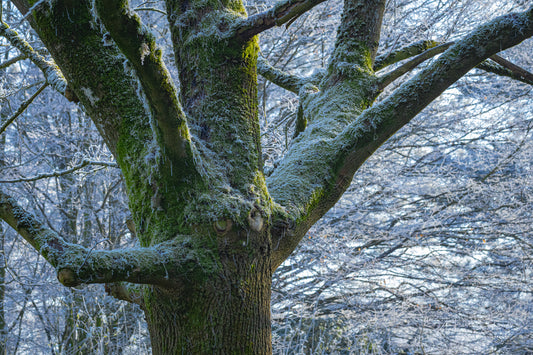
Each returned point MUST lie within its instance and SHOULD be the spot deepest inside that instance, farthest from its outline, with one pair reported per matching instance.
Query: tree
(212, 225)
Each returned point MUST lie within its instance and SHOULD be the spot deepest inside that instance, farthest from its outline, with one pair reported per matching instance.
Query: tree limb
(388, 78)
(358, 33)
(320, 164)
(284, 80)
(89, 63)
(161, 264)
(506, 68)
(53, 75)
(282, 12)
(409, 51)
(139, 46)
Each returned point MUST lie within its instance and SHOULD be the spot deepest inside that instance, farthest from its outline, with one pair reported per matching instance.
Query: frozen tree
(212, 222)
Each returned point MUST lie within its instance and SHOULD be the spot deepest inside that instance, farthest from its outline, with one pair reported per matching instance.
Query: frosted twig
(83, 164)
(22, 108)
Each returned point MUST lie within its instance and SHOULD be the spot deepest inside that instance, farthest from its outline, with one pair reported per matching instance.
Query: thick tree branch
(358, 33)
(139, 46)
(283, 12)
(51, 72)
(388, 78)
(315, 173)
(96, 70)
(506, 68)
(409, 51)
(162, 264)
(284, 80)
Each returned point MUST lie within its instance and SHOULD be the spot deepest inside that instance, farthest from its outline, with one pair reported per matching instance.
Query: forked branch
(385, 80)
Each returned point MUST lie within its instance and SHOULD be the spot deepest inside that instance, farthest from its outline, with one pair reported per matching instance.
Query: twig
(83, 164)
(22, 108)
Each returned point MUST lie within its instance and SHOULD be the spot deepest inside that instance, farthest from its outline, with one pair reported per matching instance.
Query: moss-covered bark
(211, 228)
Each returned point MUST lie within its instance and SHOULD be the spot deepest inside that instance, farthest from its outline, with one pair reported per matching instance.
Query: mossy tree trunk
(212, 228)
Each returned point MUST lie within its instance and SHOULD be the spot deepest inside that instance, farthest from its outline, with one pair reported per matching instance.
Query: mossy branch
(138, 44)
(53, 75)
(161, 264)
(496, 64)
(387, 79)
(307, 196)
(284, 12)
(403, 53)
(282, 79)
(500, 66)
(358, 34)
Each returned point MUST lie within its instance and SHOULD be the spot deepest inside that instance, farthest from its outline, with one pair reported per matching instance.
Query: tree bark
(212, 228)
(226, 314)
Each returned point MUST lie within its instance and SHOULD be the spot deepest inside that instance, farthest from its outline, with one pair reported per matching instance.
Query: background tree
(234, 221)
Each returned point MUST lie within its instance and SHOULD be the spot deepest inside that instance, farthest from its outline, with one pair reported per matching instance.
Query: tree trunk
(226, 314)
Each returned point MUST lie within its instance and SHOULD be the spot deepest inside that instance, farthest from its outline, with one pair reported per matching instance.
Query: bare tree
(212, 227)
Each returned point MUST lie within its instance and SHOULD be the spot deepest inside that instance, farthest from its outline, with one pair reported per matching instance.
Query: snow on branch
(503, 67)
(284, 12)
(79, 166)
(284, 80)
(22, 108)
(161, 264)
(51, 72)
(385, 80)
(406, 52)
